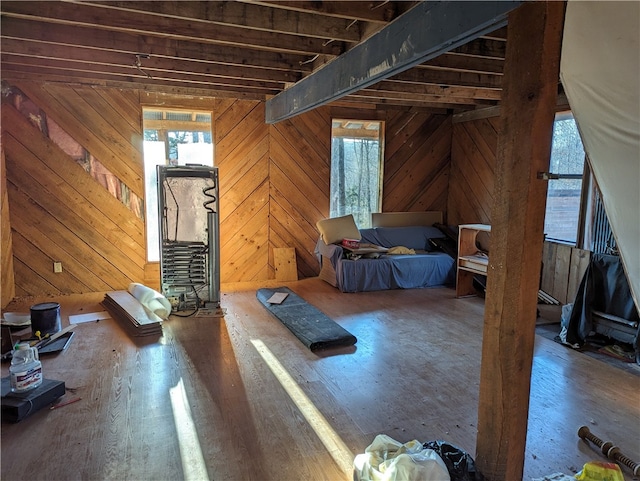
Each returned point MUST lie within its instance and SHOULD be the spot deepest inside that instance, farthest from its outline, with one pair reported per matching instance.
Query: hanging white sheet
(599, 69)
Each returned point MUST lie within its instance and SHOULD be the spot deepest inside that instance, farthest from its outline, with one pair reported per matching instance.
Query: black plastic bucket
(45, 318)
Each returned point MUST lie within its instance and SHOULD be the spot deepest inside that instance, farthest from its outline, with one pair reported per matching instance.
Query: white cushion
(337, 228)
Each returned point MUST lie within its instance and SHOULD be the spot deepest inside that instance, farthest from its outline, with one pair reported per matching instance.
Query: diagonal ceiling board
(424, 32)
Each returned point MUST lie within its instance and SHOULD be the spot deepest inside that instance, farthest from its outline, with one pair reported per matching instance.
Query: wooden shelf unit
(470, 262)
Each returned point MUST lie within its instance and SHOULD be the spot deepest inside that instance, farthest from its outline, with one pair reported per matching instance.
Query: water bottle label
(25, 380)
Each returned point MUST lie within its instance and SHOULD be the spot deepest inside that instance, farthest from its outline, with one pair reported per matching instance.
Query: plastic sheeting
(460, 465)
(604, 287)
(386, 459)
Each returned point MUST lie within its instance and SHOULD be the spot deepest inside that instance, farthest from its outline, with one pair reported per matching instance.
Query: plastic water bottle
(26, 369)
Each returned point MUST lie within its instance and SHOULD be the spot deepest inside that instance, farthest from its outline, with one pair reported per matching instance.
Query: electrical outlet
(57, 267)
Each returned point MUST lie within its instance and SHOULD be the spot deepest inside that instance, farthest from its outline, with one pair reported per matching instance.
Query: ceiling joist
(245, 49)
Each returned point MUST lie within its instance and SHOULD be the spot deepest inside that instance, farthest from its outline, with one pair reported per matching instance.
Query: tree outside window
(356, 169)
(565, 185)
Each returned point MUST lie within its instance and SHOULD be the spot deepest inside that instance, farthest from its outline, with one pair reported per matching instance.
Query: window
(567, 164)
(171, 137)
(356, 169)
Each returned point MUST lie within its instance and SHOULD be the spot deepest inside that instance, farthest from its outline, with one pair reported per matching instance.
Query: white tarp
(599, 69)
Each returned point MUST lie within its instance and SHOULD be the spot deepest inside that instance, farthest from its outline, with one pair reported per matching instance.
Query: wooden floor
(239, 398)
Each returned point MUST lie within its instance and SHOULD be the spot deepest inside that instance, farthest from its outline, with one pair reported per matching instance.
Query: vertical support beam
(529, 96)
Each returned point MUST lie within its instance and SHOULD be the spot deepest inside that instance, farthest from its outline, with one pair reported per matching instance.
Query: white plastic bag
(386, 459)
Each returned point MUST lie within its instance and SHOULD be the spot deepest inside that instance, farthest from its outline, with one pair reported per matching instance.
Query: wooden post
(530, 83)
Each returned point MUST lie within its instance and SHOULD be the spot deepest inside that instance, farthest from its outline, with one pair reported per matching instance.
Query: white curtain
(599, 69)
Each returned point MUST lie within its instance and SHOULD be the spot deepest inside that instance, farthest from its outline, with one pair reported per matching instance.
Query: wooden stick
(609, 450)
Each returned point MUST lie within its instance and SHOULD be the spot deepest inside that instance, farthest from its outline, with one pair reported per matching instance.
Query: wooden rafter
(166, 27)
(250, 16)
(249, 49)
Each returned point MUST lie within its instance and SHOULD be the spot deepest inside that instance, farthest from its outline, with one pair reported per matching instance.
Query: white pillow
(338, 228)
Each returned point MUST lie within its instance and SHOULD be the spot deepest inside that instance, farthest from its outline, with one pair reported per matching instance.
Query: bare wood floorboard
(203, 402)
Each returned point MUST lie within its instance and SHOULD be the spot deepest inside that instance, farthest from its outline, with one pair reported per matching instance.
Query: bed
(374, 266)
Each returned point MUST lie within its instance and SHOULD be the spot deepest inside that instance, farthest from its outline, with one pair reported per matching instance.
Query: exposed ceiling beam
(253, 49)
(429, 75)
(180, 68)
(18, 62)
(390, 85)
(137, 22)
(202, 88)
(100, 39)
(369, 11)
(388, 90)
(238, 14)
(467, 63)
(483, 47)
(424, 32)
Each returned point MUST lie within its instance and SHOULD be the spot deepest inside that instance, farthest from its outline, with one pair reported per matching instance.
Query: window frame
(380, 138)
(584, 193)
(592, 223)
(150, 173)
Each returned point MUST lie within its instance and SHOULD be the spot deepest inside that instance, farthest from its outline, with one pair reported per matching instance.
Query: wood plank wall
(473, 154)
(473, 160)
(417, 162)
(241, 141)
(563, 269)
(274, 182)
(58, 212)
(273, 188)
(299, 185)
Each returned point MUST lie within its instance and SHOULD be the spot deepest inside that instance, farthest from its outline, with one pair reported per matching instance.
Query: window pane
(153, 155)
(563, 195)
(171, 137)
(356, 169)
(563, 209)
(567, 153)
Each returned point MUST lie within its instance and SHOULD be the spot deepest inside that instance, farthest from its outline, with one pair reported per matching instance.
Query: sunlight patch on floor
(332, 442)
(193, 466)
